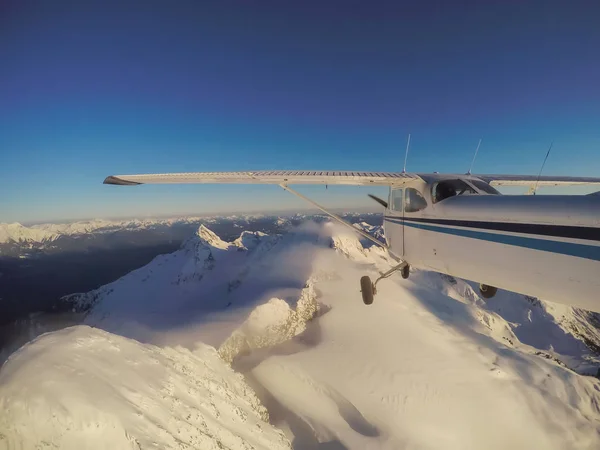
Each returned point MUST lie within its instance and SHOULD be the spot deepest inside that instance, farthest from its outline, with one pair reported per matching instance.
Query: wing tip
(119, 181)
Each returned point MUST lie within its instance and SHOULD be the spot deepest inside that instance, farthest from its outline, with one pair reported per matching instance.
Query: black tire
(487, 291)
(405, 272)
(366, 288)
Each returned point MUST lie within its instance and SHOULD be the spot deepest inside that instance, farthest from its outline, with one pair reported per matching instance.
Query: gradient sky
(89, 89)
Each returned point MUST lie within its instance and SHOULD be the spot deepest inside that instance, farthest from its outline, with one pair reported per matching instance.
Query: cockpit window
(483, 186)
(414, 201)
(450, 188)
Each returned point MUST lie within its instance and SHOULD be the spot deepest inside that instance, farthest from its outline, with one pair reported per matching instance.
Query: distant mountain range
(24, 241)
(41, 233)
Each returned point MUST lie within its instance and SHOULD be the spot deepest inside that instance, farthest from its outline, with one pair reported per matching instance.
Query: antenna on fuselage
(542, 168)
(474, 156)
(406, 154)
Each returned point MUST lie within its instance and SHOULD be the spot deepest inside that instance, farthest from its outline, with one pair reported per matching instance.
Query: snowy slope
(400, 376)
(429, 365)
(85, 388)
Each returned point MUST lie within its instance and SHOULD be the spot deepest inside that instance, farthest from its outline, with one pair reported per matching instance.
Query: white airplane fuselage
(545, 246)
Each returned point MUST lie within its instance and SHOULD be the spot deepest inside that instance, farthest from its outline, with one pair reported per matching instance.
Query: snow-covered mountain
(429, 365)
(16, 232)
(206, 280)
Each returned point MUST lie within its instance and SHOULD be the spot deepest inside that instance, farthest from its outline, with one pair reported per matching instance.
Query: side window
(396, 200)
(414, 201)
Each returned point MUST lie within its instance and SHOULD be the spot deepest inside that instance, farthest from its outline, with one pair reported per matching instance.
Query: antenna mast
(475, 156)
(542, 168)
(406, 154)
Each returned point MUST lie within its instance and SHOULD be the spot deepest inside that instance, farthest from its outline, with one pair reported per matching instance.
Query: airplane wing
(530, 180)
(268, 177)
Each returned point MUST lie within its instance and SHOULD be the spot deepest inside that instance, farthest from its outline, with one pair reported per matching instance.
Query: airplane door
(394, 229)
(414, 204)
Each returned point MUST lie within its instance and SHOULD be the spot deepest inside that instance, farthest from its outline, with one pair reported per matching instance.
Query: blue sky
(89, 89)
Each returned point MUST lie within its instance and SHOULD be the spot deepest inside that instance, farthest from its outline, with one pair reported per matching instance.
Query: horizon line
(286, 212)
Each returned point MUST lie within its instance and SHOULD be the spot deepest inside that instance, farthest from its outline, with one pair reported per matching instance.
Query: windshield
(483, 186)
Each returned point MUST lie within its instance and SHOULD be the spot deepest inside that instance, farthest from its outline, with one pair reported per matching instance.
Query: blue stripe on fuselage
(563, 248)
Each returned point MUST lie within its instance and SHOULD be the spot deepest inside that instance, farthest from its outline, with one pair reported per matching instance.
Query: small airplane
(544, 246)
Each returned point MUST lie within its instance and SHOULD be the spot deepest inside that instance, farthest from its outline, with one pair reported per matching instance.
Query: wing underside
(268, 177)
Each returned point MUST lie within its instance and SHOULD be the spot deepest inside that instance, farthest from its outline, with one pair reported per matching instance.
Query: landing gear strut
(487, 291)
(369, 289)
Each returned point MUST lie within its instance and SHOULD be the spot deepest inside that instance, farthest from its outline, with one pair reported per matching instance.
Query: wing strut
(335, 216)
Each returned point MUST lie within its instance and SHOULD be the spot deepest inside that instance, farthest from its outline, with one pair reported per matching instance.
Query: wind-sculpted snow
(85, 388)
(271, 323)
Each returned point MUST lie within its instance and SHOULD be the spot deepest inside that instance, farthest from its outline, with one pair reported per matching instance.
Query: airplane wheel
(366, 288)
(487, 291)
(405, 272)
